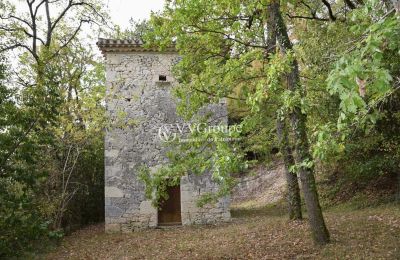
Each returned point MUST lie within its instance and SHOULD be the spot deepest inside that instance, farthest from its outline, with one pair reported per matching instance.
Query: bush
(20, 221)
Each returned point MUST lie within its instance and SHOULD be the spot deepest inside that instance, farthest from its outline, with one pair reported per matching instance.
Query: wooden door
(169, 212)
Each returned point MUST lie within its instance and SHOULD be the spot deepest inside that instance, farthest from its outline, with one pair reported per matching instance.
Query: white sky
(122, 10)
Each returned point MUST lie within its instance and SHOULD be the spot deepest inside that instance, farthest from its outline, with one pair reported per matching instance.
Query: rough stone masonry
(139, 102)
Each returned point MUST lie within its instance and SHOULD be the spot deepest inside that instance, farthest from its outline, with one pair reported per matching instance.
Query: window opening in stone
(162, 78)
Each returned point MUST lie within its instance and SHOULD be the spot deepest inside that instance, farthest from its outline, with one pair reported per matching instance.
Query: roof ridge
(107, 45)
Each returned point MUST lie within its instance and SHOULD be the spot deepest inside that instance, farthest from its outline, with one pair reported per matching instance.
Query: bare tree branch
(308, 6)
(8, 29)
(38, 6)
(17, 45)
(16, 18)
(313, 17)
(49, 26)
(34, 29)
(350, 4)
(330, 12)
(228, 37)
(65, 44)
(213, 95)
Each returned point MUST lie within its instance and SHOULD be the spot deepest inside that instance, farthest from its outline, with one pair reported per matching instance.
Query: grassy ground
(369, 233)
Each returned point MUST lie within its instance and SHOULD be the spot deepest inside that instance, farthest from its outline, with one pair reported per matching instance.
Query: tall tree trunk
(292, 184)
(298, 121)
(398, 187)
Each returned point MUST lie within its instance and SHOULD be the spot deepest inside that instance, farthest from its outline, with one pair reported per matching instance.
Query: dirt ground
(371, 233)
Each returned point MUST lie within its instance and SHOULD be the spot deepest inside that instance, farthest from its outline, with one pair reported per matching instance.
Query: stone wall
(137, 105)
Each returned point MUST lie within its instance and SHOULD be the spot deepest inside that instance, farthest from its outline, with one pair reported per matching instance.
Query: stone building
(139, 103)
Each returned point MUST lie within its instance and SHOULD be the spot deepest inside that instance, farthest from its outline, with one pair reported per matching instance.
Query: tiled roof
(117, 45)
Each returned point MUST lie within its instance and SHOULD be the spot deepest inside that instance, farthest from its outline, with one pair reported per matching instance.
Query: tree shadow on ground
(272, 210)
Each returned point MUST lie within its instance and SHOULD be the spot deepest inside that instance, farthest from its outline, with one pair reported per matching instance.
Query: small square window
(162, 78)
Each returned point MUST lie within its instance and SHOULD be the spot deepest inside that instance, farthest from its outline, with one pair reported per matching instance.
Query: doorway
(169, 213)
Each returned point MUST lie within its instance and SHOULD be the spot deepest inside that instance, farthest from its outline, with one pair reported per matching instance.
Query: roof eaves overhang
(126, 46)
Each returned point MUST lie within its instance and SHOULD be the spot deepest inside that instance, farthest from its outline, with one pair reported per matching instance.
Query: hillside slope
(263, 186)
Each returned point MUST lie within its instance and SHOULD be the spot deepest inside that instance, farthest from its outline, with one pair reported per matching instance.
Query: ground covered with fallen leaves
(370, 233)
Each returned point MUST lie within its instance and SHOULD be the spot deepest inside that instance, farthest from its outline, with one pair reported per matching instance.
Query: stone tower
(138, 101)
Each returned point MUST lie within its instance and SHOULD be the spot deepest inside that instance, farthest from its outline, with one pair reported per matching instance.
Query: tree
(366, 81)
(349, 65)
(298, 121)
(52, 122)
(292, 184)
(41, 39)
(19, 30)
(220, 42)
